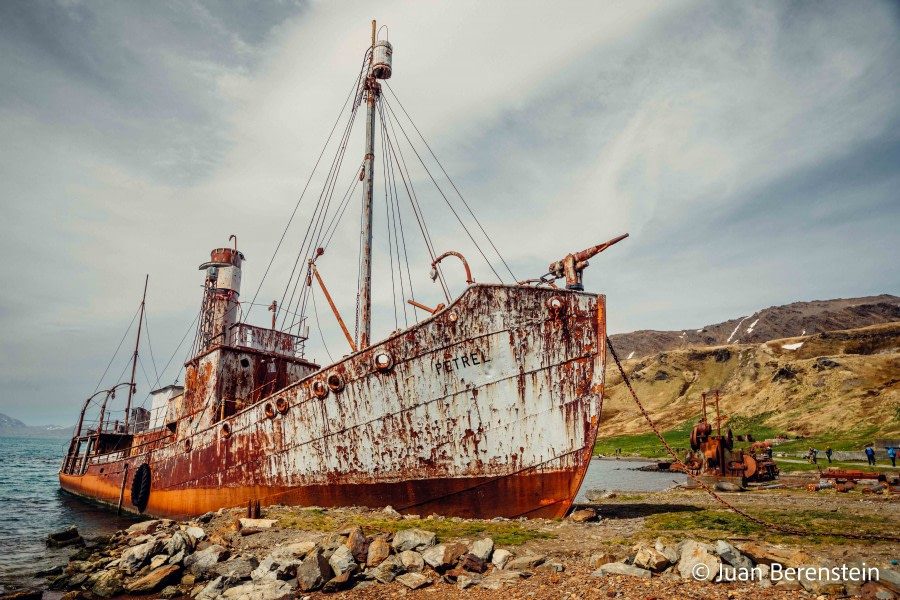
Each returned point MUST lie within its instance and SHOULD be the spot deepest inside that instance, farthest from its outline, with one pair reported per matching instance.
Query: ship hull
(489, 408)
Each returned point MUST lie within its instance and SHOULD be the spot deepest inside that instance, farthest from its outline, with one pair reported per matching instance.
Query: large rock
(199, 563)
(413, 539)
(313, 572)
(499, 579)
(618, 568)
(698, 562)
(137, 556)
(668, 551)
(890, 579)
(238, 567)
(766, 555)
(444, 556)
(358, 545)
(414, 581)
(154, 580)
(472, 563)
(280, 564)
(389, 568)
(179, 542)
(390, 513)
(259, 590)
(257, 523)
(144, 527)
(598, 560)
(196, 533)
(378, 550)
(501, 558)
(584, 515)
(213, 590)
(650, 559)
(66, 537)
(730, 554)
(108, 584)
(525, 562)
(483, 549)
(342, 561)
(411, 560)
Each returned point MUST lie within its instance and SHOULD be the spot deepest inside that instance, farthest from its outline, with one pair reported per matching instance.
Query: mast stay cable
(458, 193)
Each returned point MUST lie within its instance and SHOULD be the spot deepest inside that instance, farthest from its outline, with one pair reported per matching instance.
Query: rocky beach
(671, 544)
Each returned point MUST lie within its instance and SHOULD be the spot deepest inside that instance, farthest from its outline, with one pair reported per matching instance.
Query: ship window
(245, 363)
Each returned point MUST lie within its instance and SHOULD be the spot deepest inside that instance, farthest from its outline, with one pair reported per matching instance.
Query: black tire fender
(140, 487)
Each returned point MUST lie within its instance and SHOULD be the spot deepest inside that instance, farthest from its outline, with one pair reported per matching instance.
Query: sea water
(32, 506)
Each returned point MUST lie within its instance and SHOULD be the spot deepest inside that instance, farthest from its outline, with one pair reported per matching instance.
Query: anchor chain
(717, 497)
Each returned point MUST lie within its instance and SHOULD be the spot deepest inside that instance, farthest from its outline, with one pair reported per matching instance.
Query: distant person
(870, 455)
(814, 454)
(892, 454)
(828, 453)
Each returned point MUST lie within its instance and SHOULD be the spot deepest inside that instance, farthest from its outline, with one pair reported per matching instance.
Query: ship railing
(270, 341)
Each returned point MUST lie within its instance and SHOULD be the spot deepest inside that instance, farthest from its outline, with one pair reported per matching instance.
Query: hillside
(776, 322)
(845, 382)
(14, 427)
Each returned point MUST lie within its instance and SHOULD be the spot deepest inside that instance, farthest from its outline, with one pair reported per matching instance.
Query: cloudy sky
(752, 151)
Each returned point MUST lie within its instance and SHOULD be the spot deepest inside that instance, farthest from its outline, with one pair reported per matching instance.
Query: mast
(134, 360)
(373, 89)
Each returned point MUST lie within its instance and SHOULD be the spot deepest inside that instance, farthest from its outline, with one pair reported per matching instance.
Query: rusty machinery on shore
(713, 456)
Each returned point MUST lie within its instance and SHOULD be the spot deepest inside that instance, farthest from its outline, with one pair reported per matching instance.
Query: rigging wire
(149, 345)
(174, 352)
(417, 209)
(353, 91)
(458, 193)
(318, 212)
(119, 347)
(387, 214)
(319, 325)
(395, 199)
(444, 196)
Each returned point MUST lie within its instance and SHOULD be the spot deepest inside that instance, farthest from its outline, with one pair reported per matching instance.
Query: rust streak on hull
(488, 408)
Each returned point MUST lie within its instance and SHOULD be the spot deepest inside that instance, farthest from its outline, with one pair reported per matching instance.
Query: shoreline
(633, 545)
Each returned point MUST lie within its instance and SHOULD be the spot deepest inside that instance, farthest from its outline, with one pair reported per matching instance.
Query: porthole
(187, 445)
(383, 361)
(282, 405)
(320, 389)
(453, 316)
(269, 410)
(335, 382)
(226, 430)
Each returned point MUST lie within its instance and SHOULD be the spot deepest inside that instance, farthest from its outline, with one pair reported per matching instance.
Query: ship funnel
(381, 59)
(223, 270)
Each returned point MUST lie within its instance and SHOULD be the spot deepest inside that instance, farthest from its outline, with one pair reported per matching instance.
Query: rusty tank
(487, 407)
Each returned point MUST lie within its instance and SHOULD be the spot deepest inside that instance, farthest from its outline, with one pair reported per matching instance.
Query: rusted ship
(489, 406)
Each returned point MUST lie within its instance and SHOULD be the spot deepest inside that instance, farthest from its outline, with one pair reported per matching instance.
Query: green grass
(711, 524)
(790, 467)
(504, 533)
(646, 444)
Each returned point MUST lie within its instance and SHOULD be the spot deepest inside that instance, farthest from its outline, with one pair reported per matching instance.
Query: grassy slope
(850, 399)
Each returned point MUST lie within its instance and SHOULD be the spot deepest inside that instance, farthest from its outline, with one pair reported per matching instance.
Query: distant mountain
(841, 383)
(8, 422)
(15, 427)
(776, 322)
